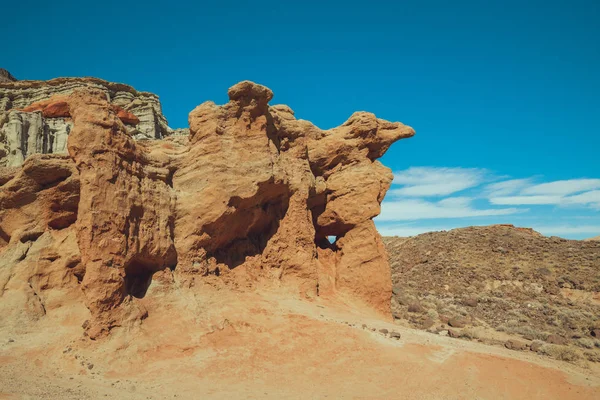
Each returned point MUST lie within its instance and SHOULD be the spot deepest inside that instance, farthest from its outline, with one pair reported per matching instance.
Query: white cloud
(428, 194)
(505, 188)
(563, 188)
(591, 198)
(560, 230)
(430, 181)
(414, 209)
(529, 200)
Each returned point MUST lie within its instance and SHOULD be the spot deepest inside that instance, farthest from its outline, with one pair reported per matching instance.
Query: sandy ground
(254, 346)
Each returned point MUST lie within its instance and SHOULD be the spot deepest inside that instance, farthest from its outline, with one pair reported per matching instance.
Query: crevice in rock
(247, 228)
(31, 236)
(272, 132)
(54, 182)
(38, 298)
(77, 268)
(169, 179)
(4, 238)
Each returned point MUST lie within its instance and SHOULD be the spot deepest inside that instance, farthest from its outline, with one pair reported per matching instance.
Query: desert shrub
(528, 332)
(432, 314)
(585, 343)
(563, 353)
(469, 333)
(592, 356)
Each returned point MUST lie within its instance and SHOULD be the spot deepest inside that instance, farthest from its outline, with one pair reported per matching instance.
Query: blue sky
(500, 93)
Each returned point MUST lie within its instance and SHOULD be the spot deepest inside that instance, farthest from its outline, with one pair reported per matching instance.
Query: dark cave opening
(138, 277)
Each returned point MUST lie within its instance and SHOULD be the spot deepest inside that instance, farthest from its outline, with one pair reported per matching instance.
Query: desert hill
(499, 283)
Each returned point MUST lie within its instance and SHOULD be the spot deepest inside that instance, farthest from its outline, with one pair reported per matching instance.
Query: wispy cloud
(563, 188)
(553, 193)
(459, 207)
(430, 181)
(505, 188)
(529, 200)
(426, 199)
(549, 230)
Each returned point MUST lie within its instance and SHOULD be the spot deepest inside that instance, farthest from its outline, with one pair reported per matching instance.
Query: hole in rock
(138, 277)
(334, 227)
(249, 225)
(326, 241)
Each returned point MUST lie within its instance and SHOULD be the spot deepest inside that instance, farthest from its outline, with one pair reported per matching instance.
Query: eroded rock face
(250, 197)
(34, 115)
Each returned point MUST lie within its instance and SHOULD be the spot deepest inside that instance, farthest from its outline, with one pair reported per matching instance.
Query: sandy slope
(271, 346)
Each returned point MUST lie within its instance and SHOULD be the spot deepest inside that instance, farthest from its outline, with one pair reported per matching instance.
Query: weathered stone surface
(141, 111)
(248, 198)
(124, 226)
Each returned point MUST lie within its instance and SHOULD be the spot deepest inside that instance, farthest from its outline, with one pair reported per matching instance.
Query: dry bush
(585, 343)
(563, 353)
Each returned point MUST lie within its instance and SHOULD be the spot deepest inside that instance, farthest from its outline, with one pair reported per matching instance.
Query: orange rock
(56, 109)
(126, 116)
(250, 198)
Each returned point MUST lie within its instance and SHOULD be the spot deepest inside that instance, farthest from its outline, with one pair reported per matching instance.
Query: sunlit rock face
(34, 117)
(249, 198)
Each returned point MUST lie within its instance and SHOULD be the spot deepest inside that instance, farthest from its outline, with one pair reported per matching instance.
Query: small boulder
(384, 331)
(595, 332)
(536, 345)
(427, 323)
(556, 339)
(514, 344)
(457, 322)
(470, 302)
(415, 308)
(395, 335)
(453, 333)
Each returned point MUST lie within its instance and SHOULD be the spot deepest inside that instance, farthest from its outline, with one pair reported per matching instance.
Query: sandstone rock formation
(34, 115)
(251, 197)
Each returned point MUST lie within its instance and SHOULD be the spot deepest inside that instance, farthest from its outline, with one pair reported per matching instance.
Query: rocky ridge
(248, 199)
(33, 116)
(5, 76)
(498, 284)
